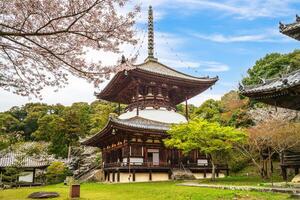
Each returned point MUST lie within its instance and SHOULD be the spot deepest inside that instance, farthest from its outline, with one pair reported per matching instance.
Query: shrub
(57, 172)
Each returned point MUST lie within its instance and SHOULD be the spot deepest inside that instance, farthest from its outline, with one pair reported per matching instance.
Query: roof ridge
(271, 80)
(170, 68)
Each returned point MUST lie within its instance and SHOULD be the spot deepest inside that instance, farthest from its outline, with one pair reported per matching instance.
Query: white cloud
(201, 98)
(244, 9)
(212, 66)
(269, 35)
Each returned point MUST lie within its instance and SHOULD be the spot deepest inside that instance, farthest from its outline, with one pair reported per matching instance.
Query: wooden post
(33, 176)
(150, 175)
(186, 109)
(204, 175)
(118, 176)
(119, 109)
(133, 176)
(113, 176)
(284, 173)
(137, 100)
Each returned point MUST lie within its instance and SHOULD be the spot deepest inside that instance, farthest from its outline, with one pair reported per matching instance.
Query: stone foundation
(145, 177)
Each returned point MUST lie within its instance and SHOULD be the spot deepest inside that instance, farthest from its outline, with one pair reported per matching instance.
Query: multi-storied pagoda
(283, 91)
(132, 143)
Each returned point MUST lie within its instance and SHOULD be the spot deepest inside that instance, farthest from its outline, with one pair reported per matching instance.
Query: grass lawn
(142, 191)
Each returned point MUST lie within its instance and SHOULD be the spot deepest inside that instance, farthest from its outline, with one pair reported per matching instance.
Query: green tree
(271, 66)
(52, 128)
(210, 110)
(209, 138)
(57, 172)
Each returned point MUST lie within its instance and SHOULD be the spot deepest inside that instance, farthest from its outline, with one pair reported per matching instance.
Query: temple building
(29, 166)
(132, 143)
(284, 92)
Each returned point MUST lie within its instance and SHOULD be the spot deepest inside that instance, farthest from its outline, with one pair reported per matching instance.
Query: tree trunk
(213, 171)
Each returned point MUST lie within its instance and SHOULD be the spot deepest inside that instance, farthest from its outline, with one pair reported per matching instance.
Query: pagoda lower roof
(282, 92)
(135, 124)
(292, 30)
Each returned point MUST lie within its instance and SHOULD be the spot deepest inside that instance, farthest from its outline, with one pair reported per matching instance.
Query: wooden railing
(136, 164)
(161, 164)
(197, 165)
(290, 158)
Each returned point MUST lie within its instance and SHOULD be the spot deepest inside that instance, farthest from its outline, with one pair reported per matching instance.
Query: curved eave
(292, 30)
(96, 139)
(186, 77)
(198, 81)
(120, 80)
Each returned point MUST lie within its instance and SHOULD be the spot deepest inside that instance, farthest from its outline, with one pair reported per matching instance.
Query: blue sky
(199, 37)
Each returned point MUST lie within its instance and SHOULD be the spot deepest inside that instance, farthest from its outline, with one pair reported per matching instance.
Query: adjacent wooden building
(29, 166)
(132, 143)
(283, 91)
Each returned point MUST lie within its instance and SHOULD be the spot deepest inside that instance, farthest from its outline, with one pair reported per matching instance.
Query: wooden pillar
(118, 176)
(186, 109)
(284, 173)
(108, 176)
(119, 109)
(137, 100)
(150, 175)
(113, 176)
(217, 173)
(204, 175)
(133, 176)
(33, 176)
(296, 170)
(227, 172)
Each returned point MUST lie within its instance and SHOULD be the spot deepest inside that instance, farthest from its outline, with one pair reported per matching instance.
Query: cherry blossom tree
(42, 41)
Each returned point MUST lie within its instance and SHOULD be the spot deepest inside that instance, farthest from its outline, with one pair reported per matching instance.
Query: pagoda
(283, 91)
(132, 143)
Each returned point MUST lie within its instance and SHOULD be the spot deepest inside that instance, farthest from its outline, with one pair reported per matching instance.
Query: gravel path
(245, 188)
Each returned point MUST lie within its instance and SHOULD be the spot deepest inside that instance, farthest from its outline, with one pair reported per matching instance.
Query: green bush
(57, 172)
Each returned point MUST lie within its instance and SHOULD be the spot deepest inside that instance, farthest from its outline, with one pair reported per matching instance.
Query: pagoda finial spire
(150, 35)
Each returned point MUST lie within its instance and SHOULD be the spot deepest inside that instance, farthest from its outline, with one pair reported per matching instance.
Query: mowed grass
(142, 191)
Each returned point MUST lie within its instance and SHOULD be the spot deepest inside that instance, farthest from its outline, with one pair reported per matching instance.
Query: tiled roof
(12, 159)
(291, 30)
(273, 85)
(139, 122)
(158, 68)
(133, 123)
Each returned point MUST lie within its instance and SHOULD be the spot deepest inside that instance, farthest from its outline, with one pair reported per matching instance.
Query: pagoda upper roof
(161, 69)
(282, 91)
(134, 124)
(152, 70)
(291, 30)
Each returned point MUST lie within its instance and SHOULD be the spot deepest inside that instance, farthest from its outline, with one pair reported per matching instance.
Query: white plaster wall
(124, 177)
(208, 175)
(26, 177)
(143, 177)
(160, 176)
(161, 115)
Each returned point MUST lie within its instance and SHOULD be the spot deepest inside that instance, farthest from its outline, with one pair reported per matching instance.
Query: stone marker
(43, 195)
